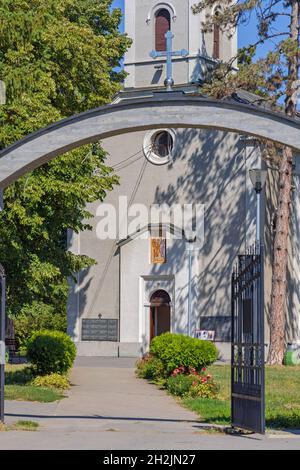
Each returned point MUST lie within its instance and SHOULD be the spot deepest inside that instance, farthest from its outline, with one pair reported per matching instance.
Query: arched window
(216, 39)
(162, 26)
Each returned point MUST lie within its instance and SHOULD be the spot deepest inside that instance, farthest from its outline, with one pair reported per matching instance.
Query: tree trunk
(280, 257)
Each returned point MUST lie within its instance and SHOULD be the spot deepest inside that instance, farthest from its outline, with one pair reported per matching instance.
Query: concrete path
(109, 408)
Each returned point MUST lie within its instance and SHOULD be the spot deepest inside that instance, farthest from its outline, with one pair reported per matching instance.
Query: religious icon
(158, 250)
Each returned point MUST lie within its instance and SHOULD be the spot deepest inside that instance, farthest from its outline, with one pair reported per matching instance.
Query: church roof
(239, 96)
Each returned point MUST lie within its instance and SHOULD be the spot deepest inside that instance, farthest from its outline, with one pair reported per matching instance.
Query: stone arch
(164, 110)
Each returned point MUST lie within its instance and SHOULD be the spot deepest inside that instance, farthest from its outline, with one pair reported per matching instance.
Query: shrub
(37, 316)
(19, 376)
(150, 367)
(179, 385)
(176, 350)
(51, 351)
(57, 381)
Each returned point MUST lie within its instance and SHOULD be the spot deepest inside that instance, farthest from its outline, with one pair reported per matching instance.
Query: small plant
(57, 381)
(24, 426)
(51, 352)
(179, 385)
(150, 367)
(204, 387)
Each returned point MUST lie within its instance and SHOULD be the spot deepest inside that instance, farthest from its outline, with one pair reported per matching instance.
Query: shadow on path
(115, 418)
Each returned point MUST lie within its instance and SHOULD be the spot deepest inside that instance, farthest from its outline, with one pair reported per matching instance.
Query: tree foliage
(275, 79)
(56, 58)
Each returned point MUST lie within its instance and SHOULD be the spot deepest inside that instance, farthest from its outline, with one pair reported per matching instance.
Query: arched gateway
(173, 110)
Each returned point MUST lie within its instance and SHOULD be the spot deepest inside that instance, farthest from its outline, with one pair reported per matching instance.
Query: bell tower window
(162, 26)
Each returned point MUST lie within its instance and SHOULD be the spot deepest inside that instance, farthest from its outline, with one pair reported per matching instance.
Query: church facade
(166, 273)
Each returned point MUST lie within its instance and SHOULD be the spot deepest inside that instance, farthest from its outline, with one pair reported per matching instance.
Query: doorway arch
(160, 313)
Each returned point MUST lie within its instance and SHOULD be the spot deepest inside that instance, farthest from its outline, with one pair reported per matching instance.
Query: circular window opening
(162, 144)
(159, 146)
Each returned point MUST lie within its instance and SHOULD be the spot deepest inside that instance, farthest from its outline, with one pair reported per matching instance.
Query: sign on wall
(158, 250)
(205, 335)
(99, 330)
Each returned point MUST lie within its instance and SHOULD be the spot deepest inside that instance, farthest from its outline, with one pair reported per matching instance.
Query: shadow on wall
(216, 178)
(215, 175)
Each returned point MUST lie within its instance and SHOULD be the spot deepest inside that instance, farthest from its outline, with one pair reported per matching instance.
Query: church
(166, 273)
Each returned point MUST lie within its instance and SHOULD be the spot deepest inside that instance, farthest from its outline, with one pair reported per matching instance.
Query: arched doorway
(160, 313)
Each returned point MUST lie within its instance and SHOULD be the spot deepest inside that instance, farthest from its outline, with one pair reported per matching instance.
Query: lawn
(18, 386)
(282, 398)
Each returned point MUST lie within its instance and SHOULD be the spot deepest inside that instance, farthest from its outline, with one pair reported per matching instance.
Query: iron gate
(247, 354)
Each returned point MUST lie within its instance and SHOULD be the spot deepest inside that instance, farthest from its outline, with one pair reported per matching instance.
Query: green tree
(275, 77)
(57, 58)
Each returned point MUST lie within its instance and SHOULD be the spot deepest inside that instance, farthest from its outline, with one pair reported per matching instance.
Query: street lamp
(258, 179)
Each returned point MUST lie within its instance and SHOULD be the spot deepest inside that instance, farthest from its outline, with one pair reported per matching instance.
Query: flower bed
(178, 364)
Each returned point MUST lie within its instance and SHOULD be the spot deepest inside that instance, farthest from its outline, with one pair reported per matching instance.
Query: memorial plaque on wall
(100, 330)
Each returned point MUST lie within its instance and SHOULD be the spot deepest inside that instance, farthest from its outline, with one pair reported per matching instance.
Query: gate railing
(247, 355)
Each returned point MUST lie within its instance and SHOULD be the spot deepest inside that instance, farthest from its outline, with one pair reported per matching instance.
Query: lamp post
(258, 179)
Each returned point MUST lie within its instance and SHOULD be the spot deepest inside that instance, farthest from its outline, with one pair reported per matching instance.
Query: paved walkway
(109, 408)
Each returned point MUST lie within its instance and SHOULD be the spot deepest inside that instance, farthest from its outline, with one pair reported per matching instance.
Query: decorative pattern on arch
(166, 110)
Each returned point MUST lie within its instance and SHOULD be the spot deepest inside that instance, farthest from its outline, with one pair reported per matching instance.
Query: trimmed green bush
(150, 367)
(51, 352)
(176, 350)
(57, 381)
(179, 385)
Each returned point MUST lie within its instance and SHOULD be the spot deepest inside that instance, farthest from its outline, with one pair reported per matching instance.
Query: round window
(162, 144)
(159, 146)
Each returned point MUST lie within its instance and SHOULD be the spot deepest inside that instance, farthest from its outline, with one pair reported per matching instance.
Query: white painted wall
(140, 279)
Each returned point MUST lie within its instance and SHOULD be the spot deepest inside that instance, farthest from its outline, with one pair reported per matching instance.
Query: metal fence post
(2, 342)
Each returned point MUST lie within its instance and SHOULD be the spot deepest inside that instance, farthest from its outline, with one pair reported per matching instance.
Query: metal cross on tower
(169, 54)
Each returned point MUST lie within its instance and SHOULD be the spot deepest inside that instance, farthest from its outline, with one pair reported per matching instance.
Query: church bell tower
(148, 21)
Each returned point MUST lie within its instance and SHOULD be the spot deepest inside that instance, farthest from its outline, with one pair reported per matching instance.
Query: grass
(24, 426)
(282, 398)
(18, 386)
(20, 426)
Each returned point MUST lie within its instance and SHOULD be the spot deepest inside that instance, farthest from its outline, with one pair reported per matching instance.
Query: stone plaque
(100, 330)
